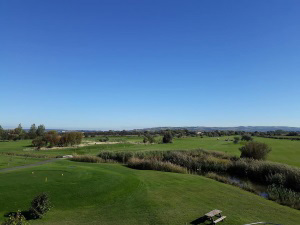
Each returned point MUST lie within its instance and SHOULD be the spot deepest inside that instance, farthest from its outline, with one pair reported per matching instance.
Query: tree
(39, 142)
(255, 150)
(168, 137)
(246, 137)
(32, 132)
(40, 130)
(52, 138)
(236, 140)
(19, 133)
(149, 138)
(1, 132)
(39, 206)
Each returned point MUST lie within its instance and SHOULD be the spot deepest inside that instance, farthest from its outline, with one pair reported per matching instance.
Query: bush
(247, 137)
(39, 142)
(15, 219)
(236, 140)
(168, 137)
(39, 206)
(149, 138)
(255, 150)
(104, 139)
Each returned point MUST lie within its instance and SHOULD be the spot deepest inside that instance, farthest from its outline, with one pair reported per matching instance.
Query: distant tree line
(19, 133)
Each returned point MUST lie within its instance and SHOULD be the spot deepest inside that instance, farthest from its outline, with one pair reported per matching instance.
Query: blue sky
(120, 64)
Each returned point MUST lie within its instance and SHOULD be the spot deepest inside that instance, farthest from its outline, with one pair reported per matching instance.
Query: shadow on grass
(25, 213)
(201, 220)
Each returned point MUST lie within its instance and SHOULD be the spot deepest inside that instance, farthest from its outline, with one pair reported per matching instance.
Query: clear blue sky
(121, 64)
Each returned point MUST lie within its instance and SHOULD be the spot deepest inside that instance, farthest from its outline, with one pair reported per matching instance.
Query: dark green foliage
(236, 140)
(32, 132)
(70, 138)
(148, 138)
(284, 196)
(39, 142)
(15, 219)
(168, 137)
(104, 139)
(39, 206)
(247, 137)
(255, 150)
(40, 130)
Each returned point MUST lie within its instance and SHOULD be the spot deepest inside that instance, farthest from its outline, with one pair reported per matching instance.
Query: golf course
(112, 193)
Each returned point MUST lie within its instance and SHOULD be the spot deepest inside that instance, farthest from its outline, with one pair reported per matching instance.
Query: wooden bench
(210, 215)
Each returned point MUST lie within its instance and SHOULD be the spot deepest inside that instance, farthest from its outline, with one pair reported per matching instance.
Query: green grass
(7, 161)
(283, 151)
(113, 194)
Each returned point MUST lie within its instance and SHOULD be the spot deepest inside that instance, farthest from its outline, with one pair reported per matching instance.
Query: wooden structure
(215, 213)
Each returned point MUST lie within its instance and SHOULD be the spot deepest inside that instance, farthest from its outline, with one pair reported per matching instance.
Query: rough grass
(112, 194)
(143, 164)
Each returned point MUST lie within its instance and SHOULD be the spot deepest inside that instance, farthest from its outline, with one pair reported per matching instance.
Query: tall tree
(19, 129)
(32, 132)
(40, 130)
(1, 132)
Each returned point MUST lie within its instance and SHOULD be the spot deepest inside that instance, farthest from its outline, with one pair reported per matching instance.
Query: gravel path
(29, 165)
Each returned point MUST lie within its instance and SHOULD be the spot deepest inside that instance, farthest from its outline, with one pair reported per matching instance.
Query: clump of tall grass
(142, 164)
(284, 196)
(87, 158)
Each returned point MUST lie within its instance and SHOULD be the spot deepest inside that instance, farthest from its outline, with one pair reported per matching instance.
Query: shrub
(236, 140)
(15, 219)
(39, 206)
(39, 142)
(255, 150)
(247, 137)
(149, 138)
(168, 137)
(104, 139)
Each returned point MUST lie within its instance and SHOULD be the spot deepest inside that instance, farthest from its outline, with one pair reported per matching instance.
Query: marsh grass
(153, 164)
(216, 165)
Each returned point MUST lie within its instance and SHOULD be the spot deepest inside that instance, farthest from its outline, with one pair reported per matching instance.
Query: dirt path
(29, 165)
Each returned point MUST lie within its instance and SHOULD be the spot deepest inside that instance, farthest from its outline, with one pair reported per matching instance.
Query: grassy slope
(12, 161)
(284, 151)
(113, 194)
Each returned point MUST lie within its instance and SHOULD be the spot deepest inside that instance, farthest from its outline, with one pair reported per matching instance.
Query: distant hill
(240, 128)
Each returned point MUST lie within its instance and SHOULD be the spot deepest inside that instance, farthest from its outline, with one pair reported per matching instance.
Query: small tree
(52, 138)
(104, 139)
(149, 138)
(247, 137)
(168, 137)
(39, 206)
(39, 142)
(236, 140)
(255, 150)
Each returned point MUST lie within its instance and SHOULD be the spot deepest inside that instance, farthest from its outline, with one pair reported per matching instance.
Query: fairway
(114, 194)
